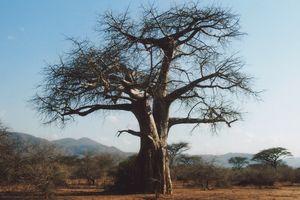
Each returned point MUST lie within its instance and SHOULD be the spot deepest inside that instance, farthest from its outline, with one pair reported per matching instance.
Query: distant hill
(293, 162)
(26, 139)
(68, 146)
(222, 160)
(84, 146)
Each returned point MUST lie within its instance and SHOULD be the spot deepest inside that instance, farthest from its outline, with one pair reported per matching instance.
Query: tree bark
(152, 168)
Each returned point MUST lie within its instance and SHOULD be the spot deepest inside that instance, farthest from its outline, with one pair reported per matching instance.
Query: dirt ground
(246, 193)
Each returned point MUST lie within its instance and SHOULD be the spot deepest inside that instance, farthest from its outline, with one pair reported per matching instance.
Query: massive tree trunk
(152, 167)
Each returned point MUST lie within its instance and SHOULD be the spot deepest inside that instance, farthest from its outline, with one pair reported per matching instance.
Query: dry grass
(240, 193)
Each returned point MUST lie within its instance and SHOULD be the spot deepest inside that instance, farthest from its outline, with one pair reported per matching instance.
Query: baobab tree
(164, 60)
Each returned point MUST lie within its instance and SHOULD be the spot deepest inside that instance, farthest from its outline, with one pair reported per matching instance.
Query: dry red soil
(239, 193)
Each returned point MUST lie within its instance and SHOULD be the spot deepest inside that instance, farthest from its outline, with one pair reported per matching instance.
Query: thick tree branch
(117, 25)
(85, 110)
(177, 120)
(180, 91)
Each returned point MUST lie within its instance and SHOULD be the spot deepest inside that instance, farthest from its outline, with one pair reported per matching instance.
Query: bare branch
(180, 91)
(177, 55)
(85, 110)
(132, 132)
(176, 121)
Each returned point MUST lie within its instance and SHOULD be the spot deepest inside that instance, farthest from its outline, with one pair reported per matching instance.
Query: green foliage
(272, 157)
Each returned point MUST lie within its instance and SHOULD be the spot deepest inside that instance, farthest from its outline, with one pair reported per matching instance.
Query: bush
(42, 171)
(46, 176)
(206, 175)
(11, 159)
(125, 177)
(258, 176)
(92, 167)
(285, 174)
(296, 176)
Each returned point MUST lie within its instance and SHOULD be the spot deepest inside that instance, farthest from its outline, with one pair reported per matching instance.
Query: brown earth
(239, 193)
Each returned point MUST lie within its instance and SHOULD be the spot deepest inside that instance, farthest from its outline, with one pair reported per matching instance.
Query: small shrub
(206, 175)
(296, 176)
(43, 172)
(258, 176)
(125, 177)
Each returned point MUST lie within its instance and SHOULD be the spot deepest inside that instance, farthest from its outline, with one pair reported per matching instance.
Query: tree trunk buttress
(161, 116)
(152, 162)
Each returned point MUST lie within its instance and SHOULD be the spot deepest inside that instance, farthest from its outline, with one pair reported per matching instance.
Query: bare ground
(240, 193)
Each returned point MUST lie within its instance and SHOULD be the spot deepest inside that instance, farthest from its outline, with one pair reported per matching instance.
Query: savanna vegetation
(41, 171)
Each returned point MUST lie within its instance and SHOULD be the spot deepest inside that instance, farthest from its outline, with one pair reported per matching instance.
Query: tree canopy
(179, 51)
(175, 150)
(272, 156)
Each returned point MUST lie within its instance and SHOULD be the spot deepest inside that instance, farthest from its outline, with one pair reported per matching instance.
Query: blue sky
(33, 33)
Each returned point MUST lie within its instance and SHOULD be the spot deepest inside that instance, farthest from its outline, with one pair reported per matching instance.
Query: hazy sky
(33, 33)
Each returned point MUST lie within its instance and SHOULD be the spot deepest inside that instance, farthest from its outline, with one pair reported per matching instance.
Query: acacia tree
(178, 57)
(238, 162)
(187, 160)
(272, 156)
(94, 167)
(175, 150)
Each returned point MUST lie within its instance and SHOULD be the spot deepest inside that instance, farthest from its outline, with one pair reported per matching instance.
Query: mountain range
(68, 146)
(222, 160)
(83, 146)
